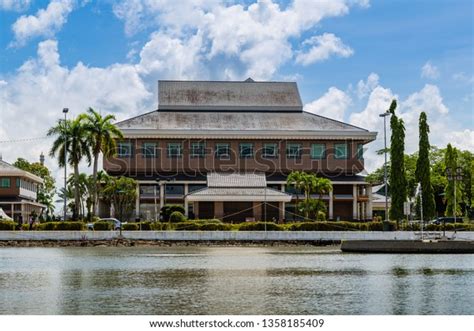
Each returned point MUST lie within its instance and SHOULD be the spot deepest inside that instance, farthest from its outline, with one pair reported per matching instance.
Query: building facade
(225, 149)
(18, 192)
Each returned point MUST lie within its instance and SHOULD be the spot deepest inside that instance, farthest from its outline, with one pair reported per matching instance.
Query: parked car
(116, 224)
(446, 220)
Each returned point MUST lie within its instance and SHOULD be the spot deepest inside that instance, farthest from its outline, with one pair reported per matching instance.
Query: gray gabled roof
(239, 194)
(6, 169)
(275, 123)
(247, 95)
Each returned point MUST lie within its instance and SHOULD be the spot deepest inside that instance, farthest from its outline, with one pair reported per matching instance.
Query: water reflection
(207, 280)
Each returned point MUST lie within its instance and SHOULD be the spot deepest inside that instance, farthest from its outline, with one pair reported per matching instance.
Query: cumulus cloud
(321, 48)
(429, 71)
(366, 87)
(41, 87)
(245, 40)
(429, 100)
(15, 5)
(45, 23)
(332, 104)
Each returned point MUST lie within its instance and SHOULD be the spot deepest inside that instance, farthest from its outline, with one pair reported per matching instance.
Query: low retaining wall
(221, 235)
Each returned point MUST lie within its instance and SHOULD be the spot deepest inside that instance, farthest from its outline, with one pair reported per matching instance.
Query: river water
(231, 280)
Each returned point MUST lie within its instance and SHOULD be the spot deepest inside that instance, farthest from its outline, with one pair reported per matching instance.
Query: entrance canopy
(238, 187)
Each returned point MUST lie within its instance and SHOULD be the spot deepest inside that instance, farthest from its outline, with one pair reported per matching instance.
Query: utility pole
(65, 111)
(384, 115)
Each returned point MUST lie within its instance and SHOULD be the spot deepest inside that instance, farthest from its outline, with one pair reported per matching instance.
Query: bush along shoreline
(178, 223)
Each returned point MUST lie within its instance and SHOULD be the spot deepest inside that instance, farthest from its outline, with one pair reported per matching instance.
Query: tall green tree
(423, 171)
(451, 161)
(398, 182)
(71, 134)
(102, 135)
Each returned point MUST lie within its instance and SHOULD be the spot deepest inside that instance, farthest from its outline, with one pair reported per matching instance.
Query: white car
(116, 224)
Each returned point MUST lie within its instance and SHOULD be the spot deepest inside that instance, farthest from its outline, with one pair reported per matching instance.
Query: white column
(331, 204)
(137, 202)
(186, 188)
(369, 203)
(354, 201)
(162, 196)
(283, 187)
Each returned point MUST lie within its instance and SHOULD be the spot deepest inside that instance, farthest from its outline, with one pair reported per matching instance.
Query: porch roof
(238, 194)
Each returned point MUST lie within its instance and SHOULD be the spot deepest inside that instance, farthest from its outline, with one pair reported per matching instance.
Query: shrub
(102, 226)
(48, 226)
(260, 226)
(7, 225)
(157, 226)
(144, 226)
(69, 226)
(375, 226)
(25, 227)
(187, 226)
(177, 217)
(321, 216)
(167, 210)
(213, 221)
(130, 227)
(215, 227)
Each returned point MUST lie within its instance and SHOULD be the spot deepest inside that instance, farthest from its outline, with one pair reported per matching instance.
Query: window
(246, 150)
(175, 150)
(4, 182)
(198, 149)
(269, 150)
(174, 189)
(340, 151)
(18, 182)
(222, 151)
(149, 150)
(360, 151)
(125, 149)
(293, 151)
(318, 151)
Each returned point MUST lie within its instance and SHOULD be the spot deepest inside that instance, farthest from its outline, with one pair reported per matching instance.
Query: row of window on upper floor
(246, 150)
(5, 182)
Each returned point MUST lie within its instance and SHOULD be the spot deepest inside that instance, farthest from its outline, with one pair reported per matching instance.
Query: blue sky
(350, 58)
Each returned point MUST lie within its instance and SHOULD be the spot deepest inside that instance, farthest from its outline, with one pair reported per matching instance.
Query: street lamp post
(454, 176)
(65, 111)
(384, 115)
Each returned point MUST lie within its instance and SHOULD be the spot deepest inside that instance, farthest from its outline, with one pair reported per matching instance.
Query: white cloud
(332, 104)
(32, 99)
(463, 78)
(45, 23)
(253, 40)
(427, 99)
(364, 88)
(171, 57)
(443, 128)
(15, 5)
(322, 47)
(429, 71)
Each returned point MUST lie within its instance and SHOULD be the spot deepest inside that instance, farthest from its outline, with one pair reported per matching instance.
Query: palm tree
(296, 179)
(321, 186)
(102, 135)
(73, 135)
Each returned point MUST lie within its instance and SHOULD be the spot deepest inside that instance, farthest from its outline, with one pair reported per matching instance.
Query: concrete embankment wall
(220, 235)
